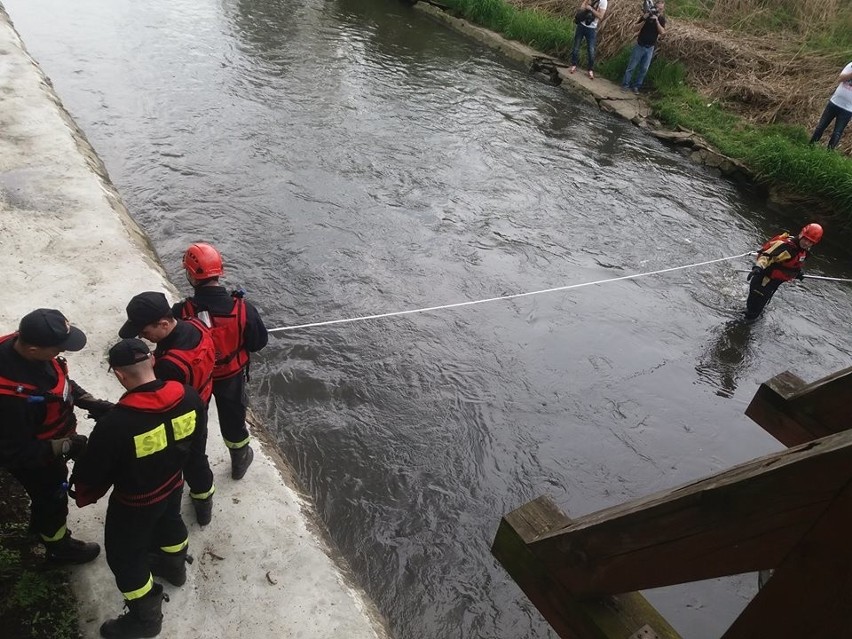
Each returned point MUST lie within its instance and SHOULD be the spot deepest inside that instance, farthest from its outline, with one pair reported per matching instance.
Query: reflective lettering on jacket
(58, 401)
(184, 425)
(151, 442)
(227, 332)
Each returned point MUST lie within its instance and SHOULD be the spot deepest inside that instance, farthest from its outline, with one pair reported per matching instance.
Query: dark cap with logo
(128, 352)
(48, 328)
(144, 309)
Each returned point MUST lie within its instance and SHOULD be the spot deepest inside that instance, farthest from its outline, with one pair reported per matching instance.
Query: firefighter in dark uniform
(778, 261)
(140, 447)
(185, 353)
(237, 331)
(38, 426)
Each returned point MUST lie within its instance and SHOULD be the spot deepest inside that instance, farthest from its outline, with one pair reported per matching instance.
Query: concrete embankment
(262, 568)
(608, 96)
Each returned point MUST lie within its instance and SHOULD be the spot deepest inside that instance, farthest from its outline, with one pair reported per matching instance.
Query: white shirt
(602, 7)
(842, 94)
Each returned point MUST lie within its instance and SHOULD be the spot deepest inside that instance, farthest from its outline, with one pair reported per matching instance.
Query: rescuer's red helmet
(202, 261)
(812, 232)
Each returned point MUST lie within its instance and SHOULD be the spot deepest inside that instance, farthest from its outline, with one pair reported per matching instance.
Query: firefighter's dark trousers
(44, 485)
(133, 531)
(197, 471)
(231, 403)
(760, 291)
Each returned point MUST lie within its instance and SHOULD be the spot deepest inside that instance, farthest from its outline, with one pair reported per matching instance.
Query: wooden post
(795, 412)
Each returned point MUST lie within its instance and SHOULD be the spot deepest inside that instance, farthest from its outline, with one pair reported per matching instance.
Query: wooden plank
(810, 593)
(744, 519)
(794, 412)
(572, 618)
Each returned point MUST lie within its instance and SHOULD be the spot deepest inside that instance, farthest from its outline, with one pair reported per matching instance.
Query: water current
(352, 157)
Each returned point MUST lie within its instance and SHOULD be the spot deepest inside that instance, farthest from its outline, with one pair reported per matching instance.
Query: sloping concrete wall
(261, 568)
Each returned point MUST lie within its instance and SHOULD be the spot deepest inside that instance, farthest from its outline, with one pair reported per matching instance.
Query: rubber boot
(144, 618)
(241, 459)
(70, 551)
(170, 566)
(203, 510)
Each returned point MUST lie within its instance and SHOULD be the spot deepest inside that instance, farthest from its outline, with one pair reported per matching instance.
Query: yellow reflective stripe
(184, 425)
(151, 442)
(177, 548)
(59, 534)
(237, 444)
(203, 495)
(140, 592)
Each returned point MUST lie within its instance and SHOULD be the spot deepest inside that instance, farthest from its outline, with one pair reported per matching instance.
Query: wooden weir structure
(790, 512)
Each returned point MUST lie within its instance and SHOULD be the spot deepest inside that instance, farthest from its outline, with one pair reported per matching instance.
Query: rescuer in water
(779, 260)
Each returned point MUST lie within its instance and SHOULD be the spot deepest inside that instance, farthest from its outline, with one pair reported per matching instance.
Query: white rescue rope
(504, 297)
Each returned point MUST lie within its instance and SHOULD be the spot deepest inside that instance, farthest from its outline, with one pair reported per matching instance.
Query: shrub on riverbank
(755, 96)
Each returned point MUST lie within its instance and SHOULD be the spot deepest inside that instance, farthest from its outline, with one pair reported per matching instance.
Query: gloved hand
(69, 447)
(97, 407)
(800, 276)
(756, 271)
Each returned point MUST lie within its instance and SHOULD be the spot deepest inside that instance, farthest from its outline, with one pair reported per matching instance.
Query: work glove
(800, 276)
(69, 447)
(756, 271)
(97, 407)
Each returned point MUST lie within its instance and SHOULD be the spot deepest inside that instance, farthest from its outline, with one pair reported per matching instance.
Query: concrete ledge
(262, 568)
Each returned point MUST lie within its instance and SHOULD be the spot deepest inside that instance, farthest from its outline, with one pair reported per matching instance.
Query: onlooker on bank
(587, 20)
(650, 26)
(839, 109)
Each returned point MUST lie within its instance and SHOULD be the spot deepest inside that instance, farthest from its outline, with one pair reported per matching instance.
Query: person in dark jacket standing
(650, 26)
(185, 353)
(237, 331)
(779, 260)
(38, 428)
(140, 447)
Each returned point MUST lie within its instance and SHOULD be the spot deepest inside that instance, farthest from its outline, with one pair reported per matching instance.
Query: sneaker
(572, 69)
(591, 75)
(635, 90)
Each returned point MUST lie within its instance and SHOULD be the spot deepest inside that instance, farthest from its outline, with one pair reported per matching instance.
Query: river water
(353, 157)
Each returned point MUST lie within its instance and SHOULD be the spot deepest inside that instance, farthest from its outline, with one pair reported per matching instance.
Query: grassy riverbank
(751, 78)
(35, 600)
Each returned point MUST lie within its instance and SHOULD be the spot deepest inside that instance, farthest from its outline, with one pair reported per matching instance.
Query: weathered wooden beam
(810, 593)
(745, 519)
(611, 617)
(795, 412)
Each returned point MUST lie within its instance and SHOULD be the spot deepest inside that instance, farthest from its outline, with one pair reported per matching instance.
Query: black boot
(170, 566)
(144, 618)
(70, 551)
(203, 510)
(241, 459)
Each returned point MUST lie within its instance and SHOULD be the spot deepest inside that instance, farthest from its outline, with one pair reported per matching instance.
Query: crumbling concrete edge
(605, 94)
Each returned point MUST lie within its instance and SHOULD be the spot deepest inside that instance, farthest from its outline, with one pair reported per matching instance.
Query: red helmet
(202, 261)
(812, 232)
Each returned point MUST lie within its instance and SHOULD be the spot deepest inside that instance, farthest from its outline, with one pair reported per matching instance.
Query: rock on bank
(261, 568)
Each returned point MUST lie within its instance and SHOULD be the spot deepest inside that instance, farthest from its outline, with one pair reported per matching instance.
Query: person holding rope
(779, 260)
(185, 353)
(237, 331)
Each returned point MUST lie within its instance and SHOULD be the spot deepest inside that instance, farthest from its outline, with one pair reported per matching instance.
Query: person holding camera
(587, 20)
(650, 26)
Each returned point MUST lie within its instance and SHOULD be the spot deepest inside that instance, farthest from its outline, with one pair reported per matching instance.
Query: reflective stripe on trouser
(231, 403)
(204, 495)
(131, 532)
(49, 508)
(197, 471)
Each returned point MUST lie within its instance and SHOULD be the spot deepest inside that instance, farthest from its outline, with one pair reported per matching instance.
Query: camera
(653, 12)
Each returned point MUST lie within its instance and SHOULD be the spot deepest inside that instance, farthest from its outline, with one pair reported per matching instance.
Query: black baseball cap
(145, 308)
(47, 327)
(128, 352)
